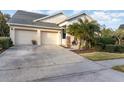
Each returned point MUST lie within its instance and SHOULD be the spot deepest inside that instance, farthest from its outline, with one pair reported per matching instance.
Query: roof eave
(16, 24)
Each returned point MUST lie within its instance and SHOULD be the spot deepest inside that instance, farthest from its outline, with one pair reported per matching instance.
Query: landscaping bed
(5, 43)
(84, 51)
(119, 68)
(1, 50)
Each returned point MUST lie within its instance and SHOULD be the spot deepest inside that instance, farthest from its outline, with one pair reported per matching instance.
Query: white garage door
(24, 37)
(49, 38)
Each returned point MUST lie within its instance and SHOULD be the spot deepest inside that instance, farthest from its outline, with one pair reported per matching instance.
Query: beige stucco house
(45, 29)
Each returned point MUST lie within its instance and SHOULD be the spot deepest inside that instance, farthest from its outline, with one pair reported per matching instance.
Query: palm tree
(84, 31)
(77, 31)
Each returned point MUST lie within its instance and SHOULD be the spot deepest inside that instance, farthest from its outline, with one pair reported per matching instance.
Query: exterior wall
(37, 31)
(64, 42)
(55, 19)
(38, 37)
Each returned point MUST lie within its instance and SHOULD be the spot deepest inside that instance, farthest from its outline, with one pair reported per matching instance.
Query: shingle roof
(121, 26)
(26, 18)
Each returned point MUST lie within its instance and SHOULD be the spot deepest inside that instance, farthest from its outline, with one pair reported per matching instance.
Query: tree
(107, 32)
(119, 35)
(77, 31)
(4, 28)
(84, 31)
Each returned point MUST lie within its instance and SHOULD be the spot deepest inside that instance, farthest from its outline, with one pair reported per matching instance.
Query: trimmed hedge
(101, 42)
(114, 48)
(5, 42)
(105, 40)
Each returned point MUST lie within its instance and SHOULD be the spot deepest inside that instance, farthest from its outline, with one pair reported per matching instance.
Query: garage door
(25, 37)
(49, 38)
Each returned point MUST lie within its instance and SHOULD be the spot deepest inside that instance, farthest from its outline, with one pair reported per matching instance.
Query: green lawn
(97, 56)
(119, 68)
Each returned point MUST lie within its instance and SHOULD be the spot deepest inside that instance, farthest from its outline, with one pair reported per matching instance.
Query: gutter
(16, 24)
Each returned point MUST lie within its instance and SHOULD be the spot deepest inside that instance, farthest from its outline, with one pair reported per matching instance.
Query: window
(63, 34)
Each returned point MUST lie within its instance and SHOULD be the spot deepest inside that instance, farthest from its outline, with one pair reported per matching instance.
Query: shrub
(0, 46)
(105, 40)
(10, 42)
(119, 48)
(114, 48)
(34, 42)
(101, 42)
(110, 48)
(5, 42)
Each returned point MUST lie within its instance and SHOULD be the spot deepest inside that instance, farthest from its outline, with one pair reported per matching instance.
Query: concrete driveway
(51, 63)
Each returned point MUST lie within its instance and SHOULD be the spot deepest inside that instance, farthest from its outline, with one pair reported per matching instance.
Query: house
(121, 26)
(45, 29)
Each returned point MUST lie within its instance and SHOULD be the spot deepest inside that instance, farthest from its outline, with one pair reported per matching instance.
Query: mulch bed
(64, 46)
(84, 51)
(1, 50)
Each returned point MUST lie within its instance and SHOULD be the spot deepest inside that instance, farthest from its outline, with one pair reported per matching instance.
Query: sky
(109, 18)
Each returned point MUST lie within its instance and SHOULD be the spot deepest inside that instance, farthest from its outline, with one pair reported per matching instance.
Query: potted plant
(34, 42)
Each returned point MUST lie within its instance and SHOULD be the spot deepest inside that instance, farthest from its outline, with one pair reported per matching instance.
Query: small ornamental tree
(4, 28)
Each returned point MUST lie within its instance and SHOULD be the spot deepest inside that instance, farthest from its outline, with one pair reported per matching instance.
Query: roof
(58, 13)
(121, 26)
(26, 18)
(76, 16)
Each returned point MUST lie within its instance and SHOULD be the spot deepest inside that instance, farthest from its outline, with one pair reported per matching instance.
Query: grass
(98, 56)
(119, 68)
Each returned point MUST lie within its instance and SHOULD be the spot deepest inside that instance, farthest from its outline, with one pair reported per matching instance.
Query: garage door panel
(25, 37)
(49, 38)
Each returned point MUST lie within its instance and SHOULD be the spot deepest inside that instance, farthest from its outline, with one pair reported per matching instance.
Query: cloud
(35, 11)
(110, 19)
(52, 11)
(116, 19)
(105, 16)
(117, 14)
(76, 11)
(101, 16)
(49, 12)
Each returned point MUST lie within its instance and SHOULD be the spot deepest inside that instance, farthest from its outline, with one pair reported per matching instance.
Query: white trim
(32, 26)
(61, 12)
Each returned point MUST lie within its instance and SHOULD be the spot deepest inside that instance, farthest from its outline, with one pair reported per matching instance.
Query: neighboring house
(45, 29)
(121, 26)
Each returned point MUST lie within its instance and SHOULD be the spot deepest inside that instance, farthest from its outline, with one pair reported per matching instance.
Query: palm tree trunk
(119, 42)
(79, 47)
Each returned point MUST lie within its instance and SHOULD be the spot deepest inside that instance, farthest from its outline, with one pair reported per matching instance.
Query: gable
(74, 19)
(60, 17)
